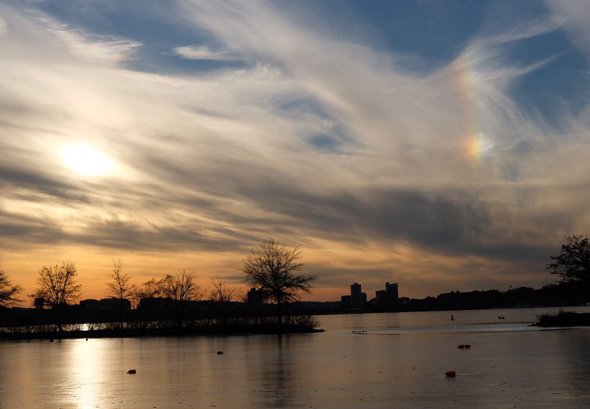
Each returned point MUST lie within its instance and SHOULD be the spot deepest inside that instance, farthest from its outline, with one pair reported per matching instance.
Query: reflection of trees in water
(577, 348)
(278, 379)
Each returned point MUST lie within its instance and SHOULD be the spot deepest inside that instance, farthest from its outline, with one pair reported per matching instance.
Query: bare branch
(8, 291)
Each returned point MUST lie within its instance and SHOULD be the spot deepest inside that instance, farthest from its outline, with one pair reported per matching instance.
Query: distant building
(387, 298)
(255, 297)
(356, 299)
(106, 304)
(392, 292)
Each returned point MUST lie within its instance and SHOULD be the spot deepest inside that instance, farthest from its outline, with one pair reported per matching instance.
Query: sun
(85, 160)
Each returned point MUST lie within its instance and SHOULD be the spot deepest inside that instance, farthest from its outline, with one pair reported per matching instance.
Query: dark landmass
(554, 295)
(166, 317)
(564, 319)
(225, 330)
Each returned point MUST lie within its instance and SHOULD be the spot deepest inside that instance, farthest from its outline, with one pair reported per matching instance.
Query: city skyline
(439, 145)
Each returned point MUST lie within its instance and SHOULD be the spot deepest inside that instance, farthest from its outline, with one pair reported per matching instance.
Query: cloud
(3, 26)
(575, 15)
(317, 140)
(193, 52)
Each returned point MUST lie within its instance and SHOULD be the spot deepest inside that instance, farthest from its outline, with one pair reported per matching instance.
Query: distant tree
(57, 285)
(222, 292)
(275, 269)
(149, 289)
(573, 261)
(119, 286)
(221, 295)
(180, 287)
(8, 291)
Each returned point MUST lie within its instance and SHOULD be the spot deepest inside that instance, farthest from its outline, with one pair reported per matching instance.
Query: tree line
(272, 268)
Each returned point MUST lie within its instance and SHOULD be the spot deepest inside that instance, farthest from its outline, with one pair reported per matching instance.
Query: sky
(442, 145)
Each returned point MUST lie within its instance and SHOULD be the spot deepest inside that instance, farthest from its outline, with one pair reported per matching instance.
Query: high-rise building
(392, 292)
(357, 297)
(387, 298)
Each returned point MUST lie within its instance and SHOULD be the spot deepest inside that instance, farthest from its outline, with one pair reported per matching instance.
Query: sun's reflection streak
(86, 368)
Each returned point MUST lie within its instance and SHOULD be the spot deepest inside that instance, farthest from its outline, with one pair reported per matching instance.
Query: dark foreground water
(399, 362)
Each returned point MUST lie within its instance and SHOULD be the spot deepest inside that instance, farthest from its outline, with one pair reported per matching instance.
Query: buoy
(219, 352)
(450, 374)
(131, 372)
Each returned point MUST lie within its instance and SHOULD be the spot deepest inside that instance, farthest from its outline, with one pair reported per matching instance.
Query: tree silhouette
(222, 292)
(7, 291)
(274, 269)
(119, 285)
(181, 287)
(57, 284)
(57, 288)
(573, 261)
(149, 289)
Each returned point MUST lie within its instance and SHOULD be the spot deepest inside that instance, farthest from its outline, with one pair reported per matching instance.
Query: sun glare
(86, 161)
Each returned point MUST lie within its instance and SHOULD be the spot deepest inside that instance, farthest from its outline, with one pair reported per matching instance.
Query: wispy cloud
(193, 52)
(574, 14)
(320, 140)
(3, 26)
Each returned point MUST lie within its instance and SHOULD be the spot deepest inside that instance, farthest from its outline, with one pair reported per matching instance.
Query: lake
(392, 360)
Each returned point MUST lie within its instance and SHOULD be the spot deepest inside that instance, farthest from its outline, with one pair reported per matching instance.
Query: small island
(573, 266)
(564, 319)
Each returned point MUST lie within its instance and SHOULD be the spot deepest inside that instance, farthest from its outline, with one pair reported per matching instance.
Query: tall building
(387, 298)
(357, 297)
(392, 292)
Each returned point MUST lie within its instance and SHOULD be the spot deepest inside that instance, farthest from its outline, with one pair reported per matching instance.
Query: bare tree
(119, 286)
(222, 292)
(57, 288)
(57, 284)
(181, 287)
(274, 269)
(7, 291)
(149, 289)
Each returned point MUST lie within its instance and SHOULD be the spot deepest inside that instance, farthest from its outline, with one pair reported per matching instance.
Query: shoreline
(160, 332)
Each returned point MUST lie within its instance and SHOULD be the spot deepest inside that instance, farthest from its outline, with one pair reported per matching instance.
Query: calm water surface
(399, 362)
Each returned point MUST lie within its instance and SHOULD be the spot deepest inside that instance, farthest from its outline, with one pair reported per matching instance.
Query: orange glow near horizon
(336, 266)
